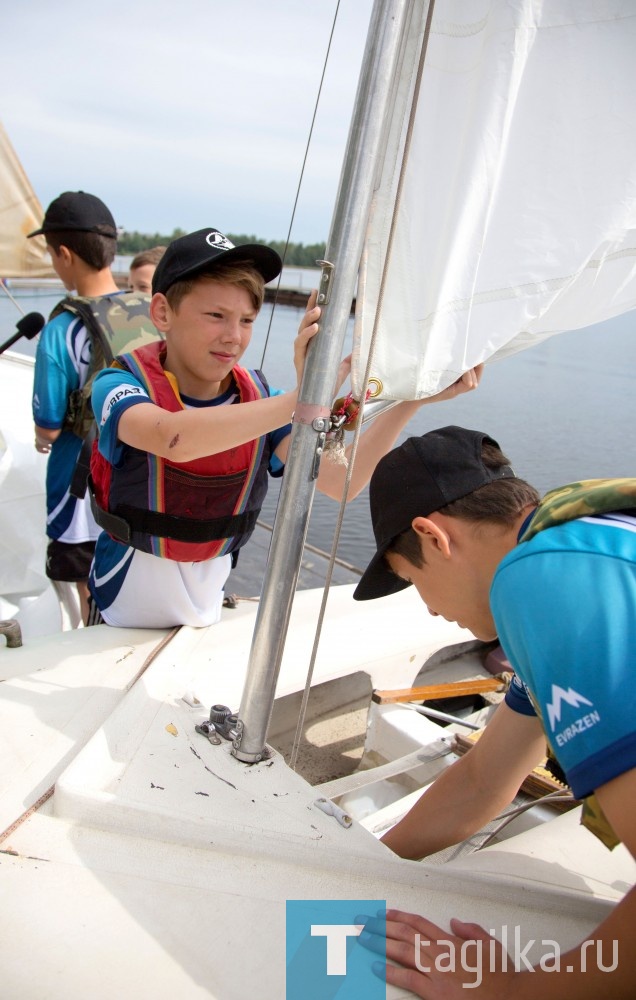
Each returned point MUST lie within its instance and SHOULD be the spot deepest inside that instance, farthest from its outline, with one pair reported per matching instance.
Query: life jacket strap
(122, 524)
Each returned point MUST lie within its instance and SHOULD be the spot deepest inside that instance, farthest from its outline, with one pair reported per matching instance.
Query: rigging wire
(367, 378)
(10, 296)
(300, 178)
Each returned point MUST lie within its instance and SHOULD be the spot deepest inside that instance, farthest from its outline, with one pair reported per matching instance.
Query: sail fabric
(20, 214)
(517, 218)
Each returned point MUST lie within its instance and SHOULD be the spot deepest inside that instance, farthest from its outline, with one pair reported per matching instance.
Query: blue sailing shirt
(564, 604)
(61, 366)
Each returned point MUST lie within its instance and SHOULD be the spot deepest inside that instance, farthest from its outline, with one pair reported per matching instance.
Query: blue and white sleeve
(114, 391)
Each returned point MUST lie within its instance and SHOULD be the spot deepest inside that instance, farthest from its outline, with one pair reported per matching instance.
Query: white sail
(20, 213)
(517, 218)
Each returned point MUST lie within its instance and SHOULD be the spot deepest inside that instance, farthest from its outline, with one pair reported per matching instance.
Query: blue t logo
(324, 959)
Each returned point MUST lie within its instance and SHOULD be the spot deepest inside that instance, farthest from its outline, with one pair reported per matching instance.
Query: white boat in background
(163, 853)
(25, 592)
(27, 595)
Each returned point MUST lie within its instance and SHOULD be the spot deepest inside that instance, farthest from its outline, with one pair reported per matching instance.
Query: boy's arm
(382, 432)
(378, 438)
(603, 965)
(44, 438)
(190, 434)
(53, 379)
(617, 799)
(195, 433)
(474, 789)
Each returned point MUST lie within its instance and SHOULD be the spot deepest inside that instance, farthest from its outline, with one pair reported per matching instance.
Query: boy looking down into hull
(555, 581)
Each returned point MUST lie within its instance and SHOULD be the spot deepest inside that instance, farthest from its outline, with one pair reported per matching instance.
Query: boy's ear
(64, 255)
(160, 312)
(432, 535)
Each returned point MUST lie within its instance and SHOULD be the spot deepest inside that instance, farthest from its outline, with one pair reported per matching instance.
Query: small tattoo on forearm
(174, 442)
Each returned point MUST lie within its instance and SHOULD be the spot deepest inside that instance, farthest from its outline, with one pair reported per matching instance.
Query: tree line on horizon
(294, 254)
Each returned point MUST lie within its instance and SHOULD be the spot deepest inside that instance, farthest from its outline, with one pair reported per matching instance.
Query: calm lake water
(563, 410)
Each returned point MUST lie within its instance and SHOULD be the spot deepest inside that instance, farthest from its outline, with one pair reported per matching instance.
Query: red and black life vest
(186, 511)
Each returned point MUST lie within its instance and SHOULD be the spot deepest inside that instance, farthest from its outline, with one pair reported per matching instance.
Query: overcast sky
(184, 113)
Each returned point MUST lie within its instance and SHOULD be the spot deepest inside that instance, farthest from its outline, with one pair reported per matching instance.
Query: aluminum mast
(387, 29)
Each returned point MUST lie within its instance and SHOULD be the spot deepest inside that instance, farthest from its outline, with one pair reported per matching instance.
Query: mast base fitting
(251, 758)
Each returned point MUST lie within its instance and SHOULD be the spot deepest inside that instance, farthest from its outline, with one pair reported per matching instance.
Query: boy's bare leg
(83, 593)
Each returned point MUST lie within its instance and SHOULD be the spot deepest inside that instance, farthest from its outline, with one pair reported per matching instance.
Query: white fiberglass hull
(156, 865)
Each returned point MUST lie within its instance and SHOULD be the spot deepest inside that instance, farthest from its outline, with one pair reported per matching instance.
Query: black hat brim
(378, 581)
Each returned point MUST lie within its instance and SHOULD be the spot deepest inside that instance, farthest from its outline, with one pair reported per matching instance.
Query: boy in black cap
(188, 437)
(81, 237)
(555, 581)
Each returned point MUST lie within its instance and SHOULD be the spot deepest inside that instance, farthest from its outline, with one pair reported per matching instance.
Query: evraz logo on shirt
(119, 393)
(561, 697)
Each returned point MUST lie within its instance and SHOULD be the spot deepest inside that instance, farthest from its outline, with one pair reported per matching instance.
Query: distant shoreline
(296, 282)
(282, 295)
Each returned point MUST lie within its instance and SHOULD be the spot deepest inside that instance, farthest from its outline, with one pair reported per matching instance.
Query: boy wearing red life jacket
(188, 438)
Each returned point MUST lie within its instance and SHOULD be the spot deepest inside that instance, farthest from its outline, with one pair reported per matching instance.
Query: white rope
(556, 796)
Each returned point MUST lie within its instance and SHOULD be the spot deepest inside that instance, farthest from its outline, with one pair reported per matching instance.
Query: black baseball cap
(85, 213)
(200, 251)
(419, 477)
